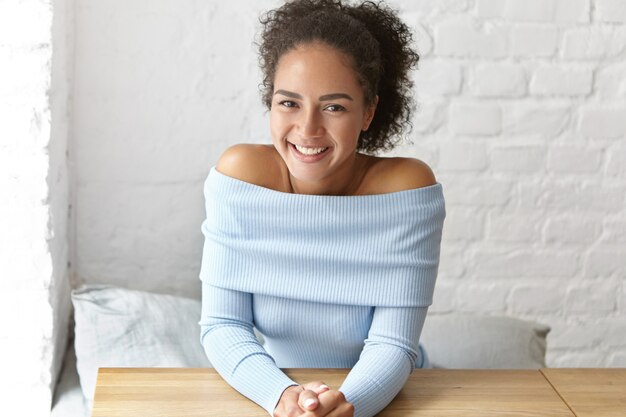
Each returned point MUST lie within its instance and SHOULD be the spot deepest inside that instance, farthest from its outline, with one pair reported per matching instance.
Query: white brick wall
(531, 152)
(34, 286)
(521, 116)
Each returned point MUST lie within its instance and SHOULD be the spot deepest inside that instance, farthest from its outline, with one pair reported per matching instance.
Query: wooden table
(163, 392)
(591, 392)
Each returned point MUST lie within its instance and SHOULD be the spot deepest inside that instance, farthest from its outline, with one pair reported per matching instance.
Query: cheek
(279, 129)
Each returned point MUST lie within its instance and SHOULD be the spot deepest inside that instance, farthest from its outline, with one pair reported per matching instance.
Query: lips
(307, 153)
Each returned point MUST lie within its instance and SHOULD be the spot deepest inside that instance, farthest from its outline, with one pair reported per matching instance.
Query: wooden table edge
(541, 371)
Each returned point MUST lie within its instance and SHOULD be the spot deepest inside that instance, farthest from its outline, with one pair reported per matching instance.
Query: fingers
(316, 386)
(333, 403)
(308, 400)
(321, 388)
(288, 404)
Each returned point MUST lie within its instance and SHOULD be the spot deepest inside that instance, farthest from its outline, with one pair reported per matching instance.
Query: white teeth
(309, 151)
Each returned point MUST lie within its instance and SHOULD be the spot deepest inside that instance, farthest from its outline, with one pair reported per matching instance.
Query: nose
(310, 124)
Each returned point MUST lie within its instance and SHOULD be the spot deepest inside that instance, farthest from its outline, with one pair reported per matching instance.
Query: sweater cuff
(265, 383)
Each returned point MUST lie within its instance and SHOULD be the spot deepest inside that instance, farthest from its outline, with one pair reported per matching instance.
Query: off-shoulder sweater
(329, 281)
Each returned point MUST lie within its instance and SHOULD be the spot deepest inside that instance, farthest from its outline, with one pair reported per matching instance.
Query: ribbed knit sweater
(329, 281)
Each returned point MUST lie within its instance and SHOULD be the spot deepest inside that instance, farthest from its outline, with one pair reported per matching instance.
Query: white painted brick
(610, 81)
(497, 80)
(21, 80)
(436, 7)
(576, 334)
(475, 119)
(617, 335)
(530, 118)
(518, 158)
(615, 233)
(592, 359)
(572, 229)
(421, 36)
(451, 263)
(522, 226)
(490, 8)
(33, 185)
(530, 10)
(462, 156)
(420, 150)
(616, 164)
(556, 80)
(612, 11)
(572, 11)
(559, 196)
(617, 360)
(574, 159)
(537, 299)
(23, 400)
(444, 298)
(480, 298)
(588, 198)
(536, 10)
(600, 197)
(430, 115)
(599, 297)
(423, 40)
(438, 78)
(26, 24)
(534, 40)
(603, 122)
(524, 263)
(593, 43)
(461, 190)
(622, 305)
(110, 144)
(463, 224)
(158, 256)
(605, 261)
(464, 38)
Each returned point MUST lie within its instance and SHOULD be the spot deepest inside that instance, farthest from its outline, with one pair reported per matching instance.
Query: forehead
(316, 68)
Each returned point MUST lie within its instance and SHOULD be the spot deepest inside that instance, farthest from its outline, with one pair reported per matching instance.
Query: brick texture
(34, 201)
(520, 113)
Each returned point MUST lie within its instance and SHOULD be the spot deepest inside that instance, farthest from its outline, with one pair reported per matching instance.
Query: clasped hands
(314, 399)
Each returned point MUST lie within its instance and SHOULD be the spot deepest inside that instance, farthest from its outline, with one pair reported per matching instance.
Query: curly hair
(372, 35)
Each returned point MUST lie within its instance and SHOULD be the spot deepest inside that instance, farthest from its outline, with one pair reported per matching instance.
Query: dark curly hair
(372, 35)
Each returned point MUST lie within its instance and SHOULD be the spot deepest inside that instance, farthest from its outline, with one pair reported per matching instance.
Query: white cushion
(118, 327)
(470, 341)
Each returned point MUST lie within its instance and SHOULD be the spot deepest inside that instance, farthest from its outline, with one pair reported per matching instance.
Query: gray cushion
(118, 327)
(469, 341)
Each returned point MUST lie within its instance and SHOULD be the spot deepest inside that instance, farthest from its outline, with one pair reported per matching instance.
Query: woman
(330, 252)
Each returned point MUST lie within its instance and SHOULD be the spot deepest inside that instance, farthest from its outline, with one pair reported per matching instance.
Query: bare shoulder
(253, 163)
(399, 174)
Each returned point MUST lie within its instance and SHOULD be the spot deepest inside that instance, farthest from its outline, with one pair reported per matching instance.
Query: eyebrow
(325, 97)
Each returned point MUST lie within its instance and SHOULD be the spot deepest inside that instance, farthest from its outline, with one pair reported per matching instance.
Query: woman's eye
(335, 108)
(287, 103)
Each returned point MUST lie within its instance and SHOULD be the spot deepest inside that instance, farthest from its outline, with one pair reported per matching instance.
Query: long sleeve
(388, 357)
(295, 252)
(230, 344)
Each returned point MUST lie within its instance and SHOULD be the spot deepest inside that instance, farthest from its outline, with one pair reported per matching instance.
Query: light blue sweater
(329, 281)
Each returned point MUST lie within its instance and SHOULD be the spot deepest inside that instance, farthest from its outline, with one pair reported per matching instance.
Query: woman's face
(317, 113)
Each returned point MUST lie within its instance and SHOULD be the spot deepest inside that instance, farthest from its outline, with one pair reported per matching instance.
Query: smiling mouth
(308, 151)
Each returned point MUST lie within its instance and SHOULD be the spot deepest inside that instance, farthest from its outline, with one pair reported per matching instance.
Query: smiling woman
(318, 111)
(329, 251)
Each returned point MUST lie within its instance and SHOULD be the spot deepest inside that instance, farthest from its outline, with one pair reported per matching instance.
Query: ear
(369, 115)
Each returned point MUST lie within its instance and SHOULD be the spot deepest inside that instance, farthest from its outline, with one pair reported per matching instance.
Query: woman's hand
(332, 403)
(307, 401)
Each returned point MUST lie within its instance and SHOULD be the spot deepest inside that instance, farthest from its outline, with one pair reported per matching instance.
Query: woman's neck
(346, 182)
